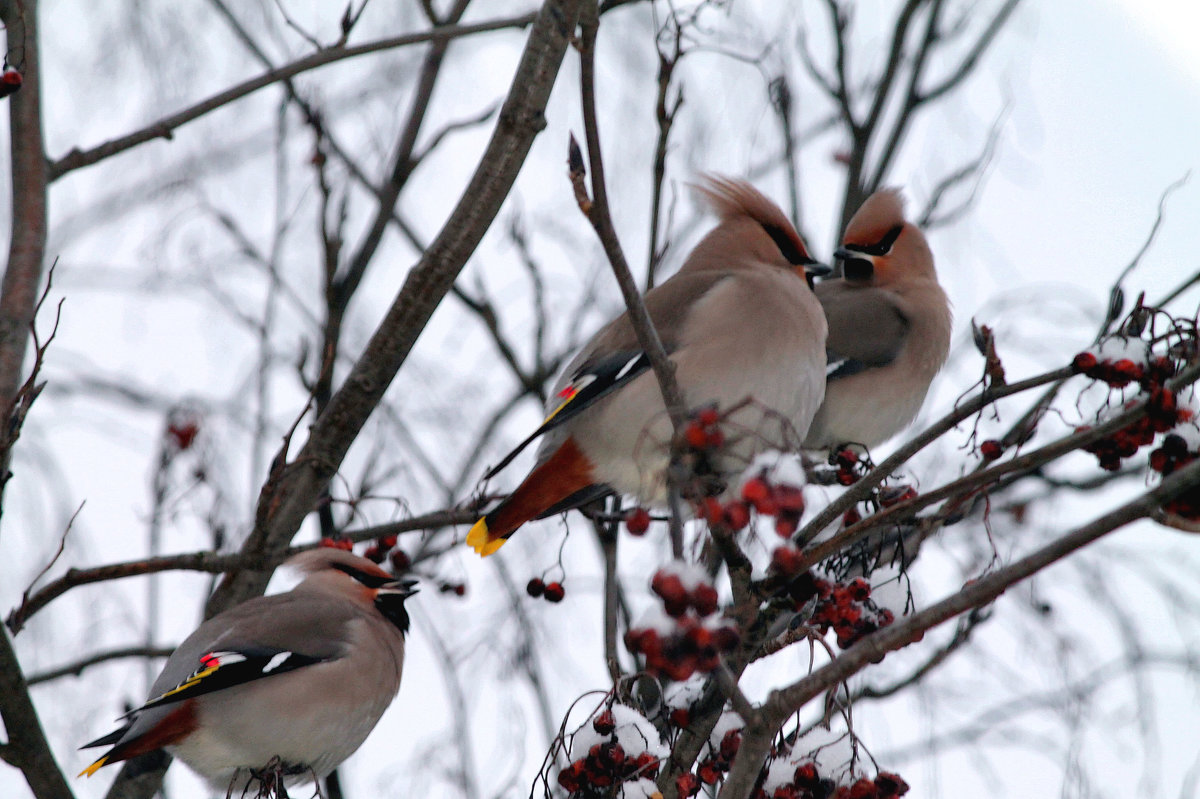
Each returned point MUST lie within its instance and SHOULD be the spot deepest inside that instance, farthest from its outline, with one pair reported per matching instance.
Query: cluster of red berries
(808, 785)
(846, 608)
(337, 543)
(783, 501)
(1162, 415)
(713, 768)
(1123, 371)
(1117, 374)
(1173, 454)
(684, 643)
(551, 592)
(849, 466)
(704, 432)
(605, 765)
(378, 551)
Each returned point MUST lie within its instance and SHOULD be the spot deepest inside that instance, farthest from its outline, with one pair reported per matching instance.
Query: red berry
(10, 81)
(846, 477)
(400, 561)
(708, 773)
(755, 490)
(604, 723)
(851, 517)
(680, 717)
(695, 436)
(846, 458)
(806, 775)
(711, 510)
(704, 599)
(374, 554)
(535, 587)
(387, 541)
(708, 416)
(1083, 362)
(787, 561)
(337, 543)
(890, 784)
(460, 589)
(786, 525)
(183, 434)
(726, 639)
(790, 499)
(554, 592)
(687, 784)
(991, 449)
(736, 515)
(637, 521)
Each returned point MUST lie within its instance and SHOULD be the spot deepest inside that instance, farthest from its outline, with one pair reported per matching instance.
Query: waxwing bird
(740, 322)
(889, 328)
(293, 681)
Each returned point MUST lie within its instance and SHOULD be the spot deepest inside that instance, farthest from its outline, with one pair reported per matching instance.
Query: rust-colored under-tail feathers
(566, 471)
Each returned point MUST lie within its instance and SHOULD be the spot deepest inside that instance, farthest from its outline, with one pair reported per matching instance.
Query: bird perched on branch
(889, 328)
(280, 687)
(740, 322)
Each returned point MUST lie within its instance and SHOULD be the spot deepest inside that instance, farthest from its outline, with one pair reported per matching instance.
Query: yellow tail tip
(92, 769)
(478, 540)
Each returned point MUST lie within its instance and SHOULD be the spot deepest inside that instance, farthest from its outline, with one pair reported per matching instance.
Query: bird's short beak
(817, 269)
(401, 588)
(855, 267)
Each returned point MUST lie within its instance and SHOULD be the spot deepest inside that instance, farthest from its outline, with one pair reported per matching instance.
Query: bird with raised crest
(746, 334)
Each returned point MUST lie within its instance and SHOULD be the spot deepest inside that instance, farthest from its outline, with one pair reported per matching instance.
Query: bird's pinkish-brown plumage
(889, 328)
(739, 321)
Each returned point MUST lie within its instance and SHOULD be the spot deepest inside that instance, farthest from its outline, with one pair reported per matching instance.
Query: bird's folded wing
(596, 380)
(866, 330)
(226, 668)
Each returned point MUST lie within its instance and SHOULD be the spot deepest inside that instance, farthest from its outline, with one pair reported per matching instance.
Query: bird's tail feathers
(565, 472)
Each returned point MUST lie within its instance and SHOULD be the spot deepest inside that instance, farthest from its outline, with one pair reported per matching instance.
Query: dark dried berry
(535, 587)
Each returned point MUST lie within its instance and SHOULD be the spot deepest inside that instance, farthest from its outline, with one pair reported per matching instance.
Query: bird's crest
(730, 198)
(880, 213)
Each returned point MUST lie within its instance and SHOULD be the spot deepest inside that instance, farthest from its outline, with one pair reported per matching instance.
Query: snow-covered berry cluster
(784, 501)
(800, 773)
(682, 635)
(1119, 362)
(807, 783)
(617, 753)
(1178, 449)
(847, 609)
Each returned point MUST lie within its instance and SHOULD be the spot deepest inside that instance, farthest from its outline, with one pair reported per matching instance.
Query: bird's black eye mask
(881, 247)
(369, 580)
(787, 246)
(862, 269)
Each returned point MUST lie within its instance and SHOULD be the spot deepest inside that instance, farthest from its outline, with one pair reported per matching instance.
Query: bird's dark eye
(858, 269)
